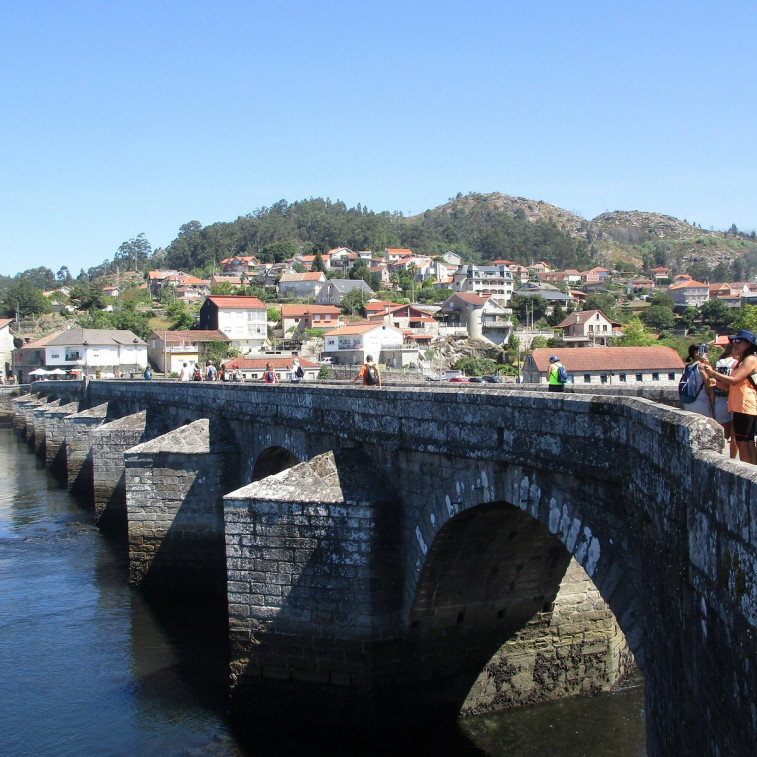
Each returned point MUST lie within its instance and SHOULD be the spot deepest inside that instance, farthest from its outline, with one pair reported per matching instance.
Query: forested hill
(481, 227)
(479, 231)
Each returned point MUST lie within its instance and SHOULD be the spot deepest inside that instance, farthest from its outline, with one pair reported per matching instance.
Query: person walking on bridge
(742, 393)
(369, 372)
(556, 375)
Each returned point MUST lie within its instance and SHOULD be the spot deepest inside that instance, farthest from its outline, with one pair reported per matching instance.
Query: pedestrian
(704, 402)
(185, 374)
(369, 372)
(269, 376)
(742, 393)
(297, 372)
(148, 373)
(210, 372)
(238, 377)
(725, 365)
(557, 376)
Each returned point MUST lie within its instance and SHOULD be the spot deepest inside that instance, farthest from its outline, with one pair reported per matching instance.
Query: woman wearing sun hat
(742, 394)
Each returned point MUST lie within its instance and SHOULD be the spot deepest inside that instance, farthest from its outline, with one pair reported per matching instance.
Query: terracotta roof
(235, 301)
(581, 360)
(309, 276)
(357, 328)
(689, 284)
(472, 297)
(4, 322)
(296, 311)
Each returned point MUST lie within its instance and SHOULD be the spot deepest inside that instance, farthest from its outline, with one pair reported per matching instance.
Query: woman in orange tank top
(742, 393)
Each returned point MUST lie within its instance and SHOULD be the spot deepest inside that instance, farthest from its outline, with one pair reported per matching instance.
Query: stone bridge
(402, 550)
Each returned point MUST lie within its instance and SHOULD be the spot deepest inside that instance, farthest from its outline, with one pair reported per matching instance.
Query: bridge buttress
(174, 499)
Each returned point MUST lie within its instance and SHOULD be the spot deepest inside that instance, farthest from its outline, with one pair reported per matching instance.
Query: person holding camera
(704, 404)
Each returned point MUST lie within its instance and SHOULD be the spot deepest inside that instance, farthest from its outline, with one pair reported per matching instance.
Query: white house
(94, 352)
(689, 292)
(487, 280)
(243, 319)
(6, 349)
(587, 328)
(350, 344)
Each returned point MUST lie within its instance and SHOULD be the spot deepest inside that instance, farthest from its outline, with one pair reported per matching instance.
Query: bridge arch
(487, 550)
(273, 460)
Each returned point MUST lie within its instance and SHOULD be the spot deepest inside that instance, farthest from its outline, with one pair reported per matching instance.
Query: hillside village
(305, 312)
(429, 315)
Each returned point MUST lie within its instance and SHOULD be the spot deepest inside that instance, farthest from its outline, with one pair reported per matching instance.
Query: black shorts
(744, 427)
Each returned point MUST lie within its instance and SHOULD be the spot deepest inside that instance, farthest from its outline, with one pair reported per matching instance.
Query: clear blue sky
(127, 117)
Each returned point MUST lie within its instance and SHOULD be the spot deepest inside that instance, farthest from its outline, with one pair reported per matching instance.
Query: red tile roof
(235, 301)
(582, 360)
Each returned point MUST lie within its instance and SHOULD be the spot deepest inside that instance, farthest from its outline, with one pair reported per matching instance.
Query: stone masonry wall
(174, 497)
(77, 429)
(109, 443)
(55, 441)
(669, 551)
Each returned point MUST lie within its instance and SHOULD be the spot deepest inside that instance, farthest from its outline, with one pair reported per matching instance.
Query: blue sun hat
(554, 359)
(746, 335)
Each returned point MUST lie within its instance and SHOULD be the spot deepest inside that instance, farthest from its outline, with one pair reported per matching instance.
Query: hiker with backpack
(369, 372)
(742, 392)
(557, 376)
(695, 389)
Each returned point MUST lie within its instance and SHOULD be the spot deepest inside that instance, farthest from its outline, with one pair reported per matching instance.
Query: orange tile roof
(296, 311)
(581, 360)
(237, 302)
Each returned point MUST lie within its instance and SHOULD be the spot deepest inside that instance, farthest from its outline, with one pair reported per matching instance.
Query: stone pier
(174, 497)
(38, 421)
(313, 580)
(77, 429)
(55, 440)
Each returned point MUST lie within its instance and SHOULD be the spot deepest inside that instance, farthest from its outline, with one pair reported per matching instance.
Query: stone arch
(486, 531)
(273, 460)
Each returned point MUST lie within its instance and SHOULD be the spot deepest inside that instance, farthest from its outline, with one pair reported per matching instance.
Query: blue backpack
(562, 374)
(688, 386)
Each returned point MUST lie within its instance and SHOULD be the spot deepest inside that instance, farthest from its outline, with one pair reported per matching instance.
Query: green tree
(746, 318)
(658, 317)
(218, 351)
(86, 295)
(318, 264)
(635, 335)
(717, 315)
(604, 302)
(182, 317)
(353, 302)
(24, 299)
(528, 309)
(134, 253)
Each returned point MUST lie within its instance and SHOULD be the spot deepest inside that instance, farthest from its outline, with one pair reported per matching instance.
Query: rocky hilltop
(618, 236)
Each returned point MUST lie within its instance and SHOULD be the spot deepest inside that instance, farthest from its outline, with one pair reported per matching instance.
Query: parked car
(477, 379)
(433, 378)
(459, 380)
(493, 379)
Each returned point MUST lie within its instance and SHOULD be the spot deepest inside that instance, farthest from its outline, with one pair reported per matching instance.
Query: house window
(655, 377)
(671, 377)
(587, 378)
(639, 377)
(603, 378)
(622, 378)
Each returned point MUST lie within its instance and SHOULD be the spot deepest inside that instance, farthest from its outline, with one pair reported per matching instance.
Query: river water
(87, 667)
